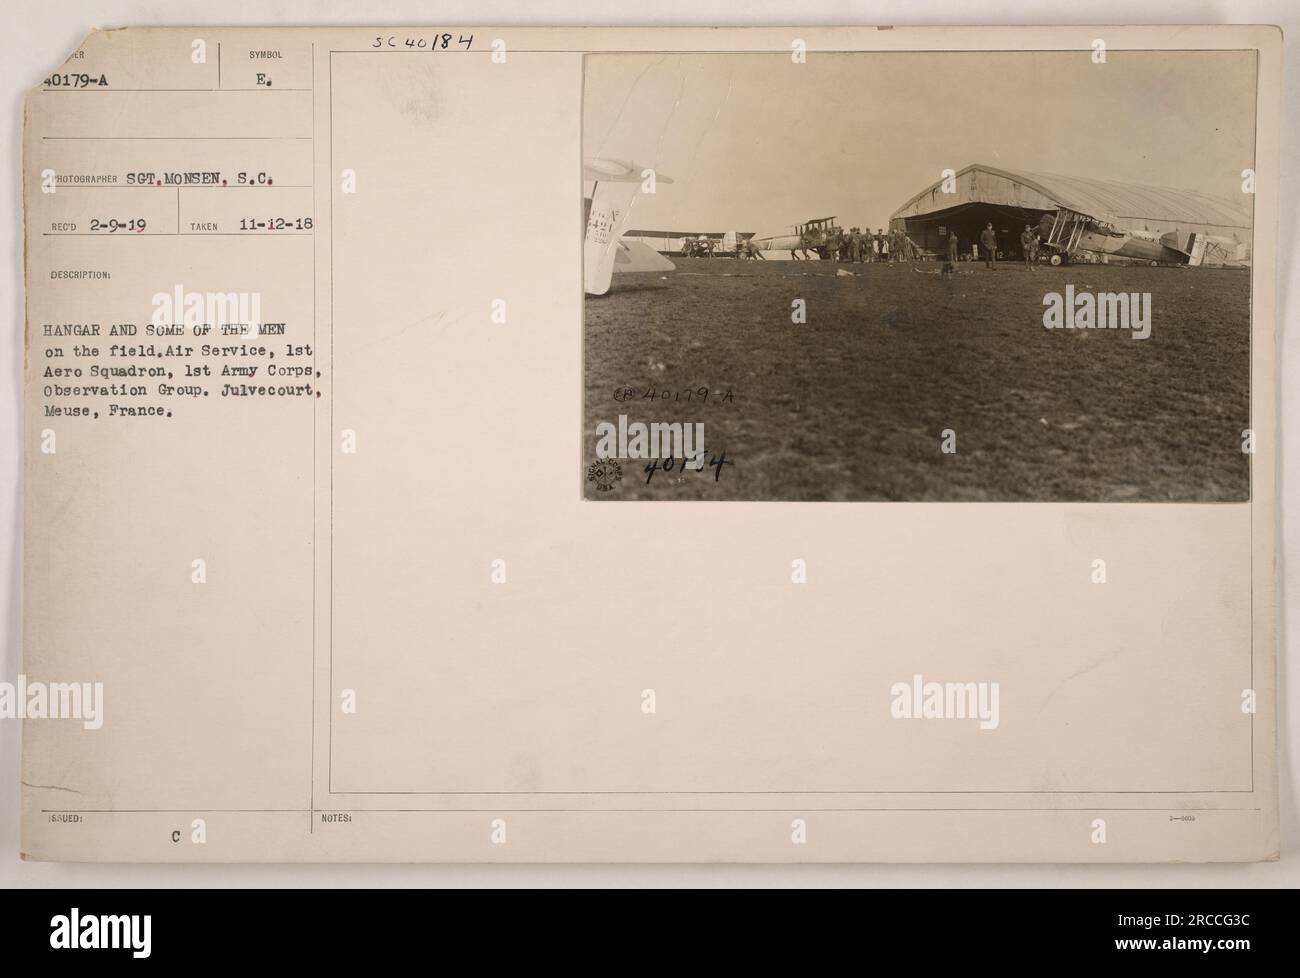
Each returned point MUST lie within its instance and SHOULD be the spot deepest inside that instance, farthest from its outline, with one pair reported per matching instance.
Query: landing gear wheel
(1057, 259)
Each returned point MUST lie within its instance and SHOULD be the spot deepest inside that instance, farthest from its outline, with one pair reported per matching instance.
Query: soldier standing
(1029, 247)
(950, 266)
(989, 242)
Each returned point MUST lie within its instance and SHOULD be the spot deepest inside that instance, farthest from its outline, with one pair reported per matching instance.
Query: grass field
(852, 404)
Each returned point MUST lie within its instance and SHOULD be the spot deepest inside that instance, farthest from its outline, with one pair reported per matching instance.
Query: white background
(39, 34)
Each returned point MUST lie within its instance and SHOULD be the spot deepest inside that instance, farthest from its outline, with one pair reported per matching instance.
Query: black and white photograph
(922, 276)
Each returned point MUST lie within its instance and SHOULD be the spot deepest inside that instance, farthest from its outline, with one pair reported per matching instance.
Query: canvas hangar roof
(1126, 205)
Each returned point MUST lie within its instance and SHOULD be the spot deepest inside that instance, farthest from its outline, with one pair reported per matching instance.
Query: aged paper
(339, 341)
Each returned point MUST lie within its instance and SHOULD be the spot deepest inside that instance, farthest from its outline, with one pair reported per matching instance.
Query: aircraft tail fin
(599, 247)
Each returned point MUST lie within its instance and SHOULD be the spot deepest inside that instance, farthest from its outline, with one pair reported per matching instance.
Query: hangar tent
(1010, 199)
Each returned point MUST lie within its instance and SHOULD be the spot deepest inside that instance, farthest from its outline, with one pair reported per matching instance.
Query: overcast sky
(755, 142)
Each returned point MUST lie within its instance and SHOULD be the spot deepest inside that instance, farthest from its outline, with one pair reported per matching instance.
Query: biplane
(818, 236)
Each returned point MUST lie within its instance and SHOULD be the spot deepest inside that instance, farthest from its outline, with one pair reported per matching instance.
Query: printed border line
(586, 53)
(613, 811)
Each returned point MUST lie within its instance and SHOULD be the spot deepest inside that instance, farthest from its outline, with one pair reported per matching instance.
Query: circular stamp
(604, 473)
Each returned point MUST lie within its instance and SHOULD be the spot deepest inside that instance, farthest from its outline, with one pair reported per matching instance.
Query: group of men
(853, 245)
(989, 245)
(857, 245)
(863, 246)
(895, 245)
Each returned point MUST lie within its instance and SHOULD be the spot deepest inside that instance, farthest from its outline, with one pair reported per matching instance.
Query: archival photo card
(338, 339)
